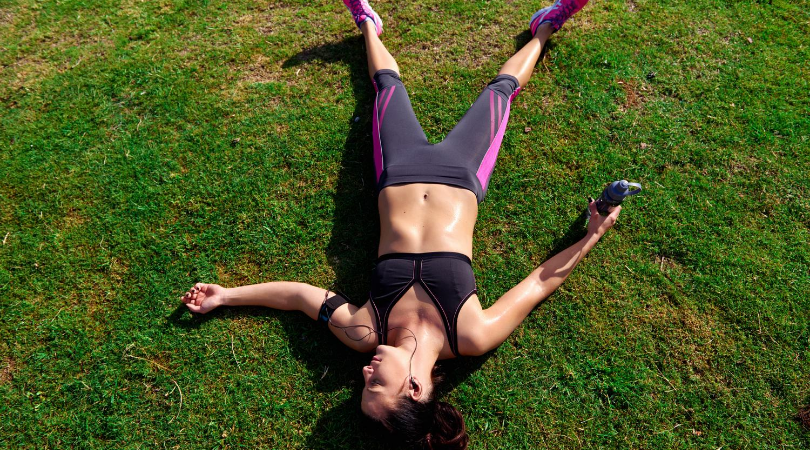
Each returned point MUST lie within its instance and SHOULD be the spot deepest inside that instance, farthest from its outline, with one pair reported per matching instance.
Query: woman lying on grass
(423, 305)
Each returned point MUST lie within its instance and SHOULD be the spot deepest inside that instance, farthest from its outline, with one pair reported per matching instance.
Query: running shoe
(361, 12)
(557, 14)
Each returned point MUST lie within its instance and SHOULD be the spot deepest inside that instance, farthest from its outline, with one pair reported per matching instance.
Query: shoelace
(357, 5)
(566, 10)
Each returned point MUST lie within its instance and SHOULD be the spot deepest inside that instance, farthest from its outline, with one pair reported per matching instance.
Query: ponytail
(429, 425)
(448, 431)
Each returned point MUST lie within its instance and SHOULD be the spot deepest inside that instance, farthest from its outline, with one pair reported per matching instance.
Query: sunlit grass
(147, 145)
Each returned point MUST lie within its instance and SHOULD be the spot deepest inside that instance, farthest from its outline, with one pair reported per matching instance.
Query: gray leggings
(465, 158)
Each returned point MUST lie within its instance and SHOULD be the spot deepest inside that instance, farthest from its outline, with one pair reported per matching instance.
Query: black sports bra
(447, 278)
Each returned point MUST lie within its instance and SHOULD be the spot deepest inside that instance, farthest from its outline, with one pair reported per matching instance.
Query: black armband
(329, 306)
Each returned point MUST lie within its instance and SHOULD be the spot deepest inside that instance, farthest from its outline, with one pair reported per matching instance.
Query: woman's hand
(599, 224)
(203, 298)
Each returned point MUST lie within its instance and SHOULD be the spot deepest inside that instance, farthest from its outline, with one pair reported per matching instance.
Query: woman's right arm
(288, 296)
(494, 324)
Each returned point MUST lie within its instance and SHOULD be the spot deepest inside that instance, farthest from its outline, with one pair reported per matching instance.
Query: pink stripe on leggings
(380, 96)
(385, 106)
(488, 163)
(491, 117)
(499, 109)
(375, 137)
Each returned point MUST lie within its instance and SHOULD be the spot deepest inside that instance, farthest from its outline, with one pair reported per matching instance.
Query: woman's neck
(426, 347)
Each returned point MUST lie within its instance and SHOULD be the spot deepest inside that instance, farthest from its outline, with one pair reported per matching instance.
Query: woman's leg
(543, 23)
(476, 140)
(378, 56)
(396, 132)
(521, 64)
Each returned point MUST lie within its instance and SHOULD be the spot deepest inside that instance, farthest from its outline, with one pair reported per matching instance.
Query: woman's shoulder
(470, 330)
(355, 326)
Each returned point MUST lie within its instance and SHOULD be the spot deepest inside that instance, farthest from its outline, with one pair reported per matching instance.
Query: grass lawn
(149, 144)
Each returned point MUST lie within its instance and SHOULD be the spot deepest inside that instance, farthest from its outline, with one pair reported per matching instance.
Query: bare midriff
(422, 217)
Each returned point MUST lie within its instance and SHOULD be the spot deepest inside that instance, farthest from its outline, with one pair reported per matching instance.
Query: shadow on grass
(345, 427)
(575, 232)
(189, 321)
(352, 247)
(332, 366)
(351, 252)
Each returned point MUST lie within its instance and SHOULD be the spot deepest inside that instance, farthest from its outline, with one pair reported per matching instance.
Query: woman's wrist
(226, 296)
(590, 240)
(593, 236)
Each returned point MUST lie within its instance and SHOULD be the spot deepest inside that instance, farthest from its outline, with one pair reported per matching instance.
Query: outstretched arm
(286, 296)
(501, 319)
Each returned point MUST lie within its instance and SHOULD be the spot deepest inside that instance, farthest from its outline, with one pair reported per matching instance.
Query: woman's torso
(421, 218)
(425, 218)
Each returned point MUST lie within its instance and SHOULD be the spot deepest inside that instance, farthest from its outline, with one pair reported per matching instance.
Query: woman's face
(386, 380)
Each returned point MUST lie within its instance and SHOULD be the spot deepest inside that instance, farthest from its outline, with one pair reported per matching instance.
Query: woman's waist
(428, 195)
(419, 242)
(431, 174)
(423, 256)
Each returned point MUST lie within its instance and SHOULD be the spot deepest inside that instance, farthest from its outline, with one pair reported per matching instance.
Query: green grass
(147, 145)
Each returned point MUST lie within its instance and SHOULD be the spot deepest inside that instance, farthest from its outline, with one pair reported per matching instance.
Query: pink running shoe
(557, 14)
(361, 12)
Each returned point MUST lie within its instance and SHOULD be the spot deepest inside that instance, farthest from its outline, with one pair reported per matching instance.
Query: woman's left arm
(499, 320)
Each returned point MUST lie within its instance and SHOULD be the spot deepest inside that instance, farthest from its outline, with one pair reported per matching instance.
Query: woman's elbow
(481, 342)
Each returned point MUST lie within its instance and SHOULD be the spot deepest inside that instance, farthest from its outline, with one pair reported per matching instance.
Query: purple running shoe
(361, 12)
(557, 14)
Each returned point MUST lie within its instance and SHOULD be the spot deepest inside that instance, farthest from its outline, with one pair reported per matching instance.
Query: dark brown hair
(430, 425)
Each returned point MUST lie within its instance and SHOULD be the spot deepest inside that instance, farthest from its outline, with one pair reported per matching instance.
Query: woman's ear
(415, 389)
